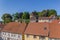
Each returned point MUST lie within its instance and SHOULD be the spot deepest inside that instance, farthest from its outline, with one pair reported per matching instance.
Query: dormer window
(45, 28)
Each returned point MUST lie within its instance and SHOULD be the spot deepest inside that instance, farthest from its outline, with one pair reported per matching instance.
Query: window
(4, 33)
(8, 38)
(41, 37)
(27, 35)
(34, 36)
(45, 28)
(8, 34)
(13, 35)
(4, 38)
(18, 36)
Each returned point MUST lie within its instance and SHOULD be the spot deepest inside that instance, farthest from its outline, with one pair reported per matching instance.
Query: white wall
(43, 21)
(6, 35)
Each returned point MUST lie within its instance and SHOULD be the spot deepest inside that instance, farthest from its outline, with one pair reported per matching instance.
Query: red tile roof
(14, 27)
(38, 28)
(54, 29)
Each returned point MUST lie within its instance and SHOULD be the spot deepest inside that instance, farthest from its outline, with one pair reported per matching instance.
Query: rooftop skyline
(13, 6)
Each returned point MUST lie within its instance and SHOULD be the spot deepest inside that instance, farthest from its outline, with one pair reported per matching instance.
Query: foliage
(20, 15)
(40, 14)
(47, 13)
(52, 12)
(7, 18)
(25, 15)
(35, 13)
(27, 21)
(20, 20)
(15, 16)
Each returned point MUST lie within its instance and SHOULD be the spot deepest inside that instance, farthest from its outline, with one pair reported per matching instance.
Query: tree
(20, 15)
(52, 12)
(35, 13)
(27, 21)
(45, 13)
(40, 14)
(7, 18)
(26, 15)
(16, 16)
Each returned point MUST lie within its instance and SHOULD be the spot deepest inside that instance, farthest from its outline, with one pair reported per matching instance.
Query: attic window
(45, 28)
(41, 37)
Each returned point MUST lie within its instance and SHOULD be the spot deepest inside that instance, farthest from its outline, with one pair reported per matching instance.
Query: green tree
(35, 13)
(52, 12)
(25, 15)
(20, 15)
(7, 18)
(16, 16)
(45, 13)
(27, 21)
(40, 14)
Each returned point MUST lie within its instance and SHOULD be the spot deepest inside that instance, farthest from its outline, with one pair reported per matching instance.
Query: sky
(13, 6)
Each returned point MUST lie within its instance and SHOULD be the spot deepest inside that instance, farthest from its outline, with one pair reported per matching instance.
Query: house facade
(35, 37)
(54, 30)
(42, 19)
(13, 31)
(43, 31)
(11, 36)
(37, 31)
(32, 31)
(32, 18)
(47, 19)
